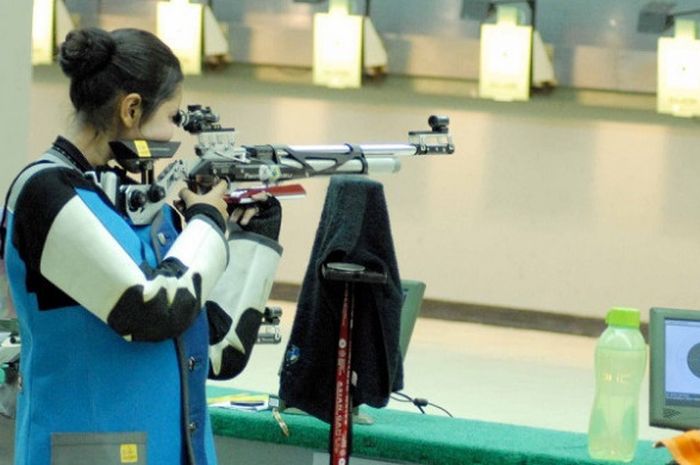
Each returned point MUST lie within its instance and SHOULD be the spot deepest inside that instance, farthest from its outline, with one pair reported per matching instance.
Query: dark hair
(103, 65)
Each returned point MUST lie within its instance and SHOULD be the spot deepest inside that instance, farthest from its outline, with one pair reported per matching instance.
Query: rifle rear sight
(197, 119)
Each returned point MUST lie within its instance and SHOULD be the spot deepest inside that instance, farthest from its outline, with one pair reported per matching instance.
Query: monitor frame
(412, 294)
(661, 412)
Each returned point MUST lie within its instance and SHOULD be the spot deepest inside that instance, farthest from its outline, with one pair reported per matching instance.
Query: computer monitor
(412, 294)
(674, 380)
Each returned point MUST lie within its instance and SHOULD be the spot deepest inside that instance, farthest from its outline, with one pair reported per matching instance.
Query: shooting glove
(268, 219)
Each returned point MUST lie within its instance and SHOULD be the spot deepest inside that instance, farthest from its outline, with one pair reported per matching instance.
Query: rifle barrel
(375, 165)
(378, 158)
(369, 150)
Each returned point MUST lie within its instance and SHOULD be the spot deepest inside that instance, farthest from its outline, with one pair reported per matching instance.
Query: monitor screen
(412, 293)
(674, 385)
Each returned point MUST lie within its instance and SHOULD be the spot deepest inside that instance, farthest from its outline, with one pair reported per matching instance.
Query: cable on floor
(419, 402)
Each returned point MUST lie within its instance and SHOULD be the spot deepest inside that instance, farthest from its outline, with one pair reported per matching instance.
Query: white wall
(15, 80)
(547, 205)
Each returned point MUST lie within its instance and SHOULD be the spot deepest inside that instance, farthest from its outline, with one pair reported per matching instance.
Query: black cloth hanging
(354, 228)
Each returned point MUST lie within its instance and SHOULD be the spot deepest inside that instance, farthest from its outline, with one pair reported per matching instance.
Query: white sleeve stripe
(83, 259)
(86, 262)
(203, 250)
(170, 284)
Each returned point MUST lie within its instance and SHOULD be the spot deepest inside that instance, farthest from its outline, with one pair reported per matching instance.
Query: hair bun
(86, 51)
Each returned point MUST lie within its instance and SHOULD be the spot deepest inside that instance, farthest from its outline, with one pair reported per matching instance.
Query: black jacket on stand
(354, 228)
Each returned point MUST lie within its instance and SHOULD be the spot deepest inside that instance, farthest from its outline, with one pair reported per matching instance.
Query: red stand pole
(341, 429)
(340, 441)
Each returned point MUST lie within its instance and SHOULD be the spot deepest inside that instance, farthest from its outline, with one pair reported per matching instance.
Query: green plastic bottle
(620, 363)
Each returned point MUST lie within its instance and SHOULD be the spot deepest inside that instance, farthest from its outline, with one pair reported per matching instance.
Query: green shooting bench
(404, 437)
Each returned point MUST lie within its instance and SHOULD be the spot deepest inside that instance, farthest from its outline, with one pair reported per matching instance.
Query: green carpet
(425, 439)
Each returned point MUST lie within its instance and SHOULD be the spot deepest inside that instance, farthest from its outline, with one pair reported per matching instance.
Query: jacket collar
(72, 154)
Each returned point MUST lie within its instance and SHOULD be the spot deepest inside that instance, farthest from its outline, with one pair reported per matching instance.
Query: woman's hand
(243, 214)
(214, 197)
(263, 217)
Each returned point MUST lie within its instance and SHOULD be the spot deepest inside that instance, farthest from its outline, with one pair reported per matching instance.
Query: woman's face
(160, 126)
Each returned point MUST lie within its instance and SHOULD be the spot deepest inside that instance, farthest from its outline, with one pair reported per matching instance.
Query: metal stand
(340, 441)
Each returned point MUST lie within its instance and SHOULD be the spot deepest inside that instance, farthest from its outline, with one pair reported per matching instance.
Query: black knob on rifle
(137, 199)
(156, 193)
(439, 123)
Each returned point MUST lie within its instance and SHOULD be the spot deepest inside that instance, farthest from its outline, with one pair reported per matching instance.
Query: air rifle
(219, 157)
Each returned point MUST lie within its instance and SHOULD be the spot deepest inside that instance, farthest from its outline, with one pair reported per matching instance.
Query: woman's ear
(130, 110)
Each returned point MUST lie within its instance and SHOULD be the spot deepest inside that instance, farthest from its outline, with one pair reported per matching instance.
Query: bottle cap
(623, 316)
